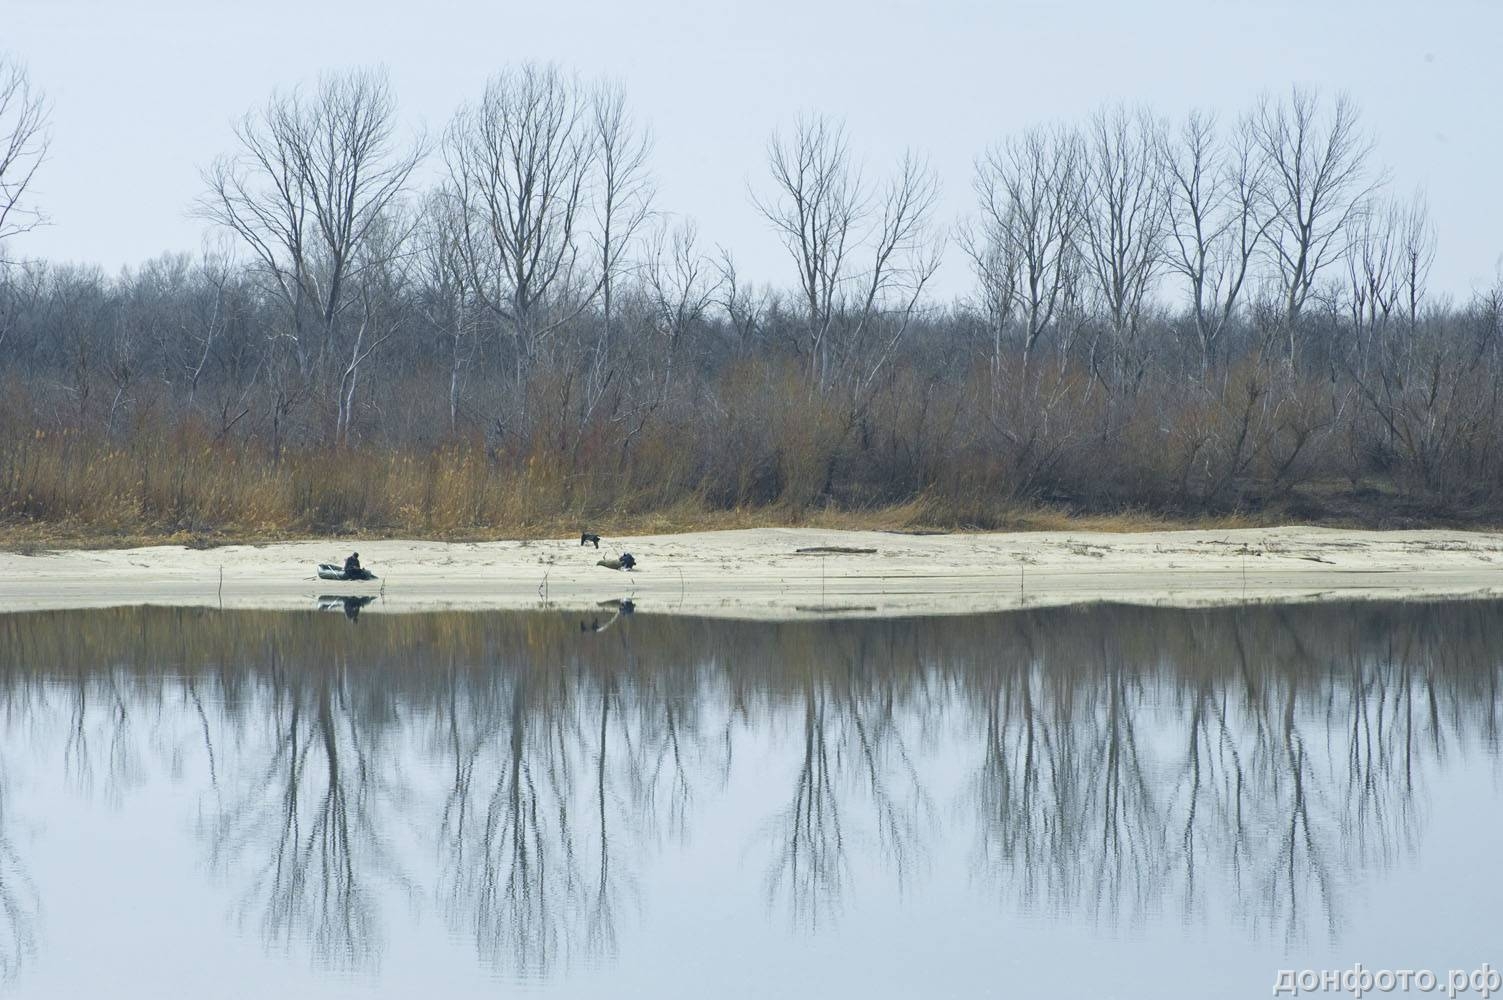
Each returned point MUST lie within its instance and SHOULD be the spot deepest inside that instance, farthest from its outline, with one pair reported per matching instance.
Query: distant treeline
(1181, 318)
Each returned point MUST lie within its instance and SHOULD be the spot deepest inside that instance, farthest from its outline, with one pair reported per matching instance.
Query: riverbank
(787, 572)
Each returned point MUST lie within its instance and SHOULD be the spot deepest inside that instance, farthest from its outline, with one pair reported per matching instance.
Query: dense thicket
(500, 327)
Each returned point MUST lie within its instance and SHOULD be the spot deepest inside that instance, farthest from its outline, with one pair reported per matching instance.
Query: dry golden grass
(30, 537)
(174, 486)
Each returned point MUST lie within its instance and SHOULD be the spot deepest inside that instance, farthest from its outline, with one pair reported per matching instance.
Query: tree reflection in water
(302, 828)
(18, 899)
(564, 771)
(1286, 752)
(522, 774)
(854, 781)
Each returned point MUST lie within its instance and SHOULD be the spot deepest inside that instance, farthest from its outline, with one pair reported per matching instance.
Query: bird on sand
(626, 562)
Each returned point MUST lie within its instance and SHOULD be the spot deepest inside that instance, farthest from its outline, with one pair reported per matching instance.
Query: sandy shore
(763, 574)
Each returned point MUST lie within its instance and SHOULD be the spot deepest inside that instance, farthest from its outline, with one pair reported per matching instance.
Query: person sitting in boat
(352, 568)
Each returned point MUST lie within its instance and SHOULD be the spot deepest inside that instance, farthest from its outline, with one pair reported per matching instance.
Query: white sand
(759, 574)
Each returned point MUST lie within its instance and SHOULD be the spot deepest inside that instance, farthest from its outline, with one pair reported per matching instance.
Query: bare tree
(1373, 267)
(314, 176)
(382, 275)
(23, 148)
(622, 206)
(905, 253)
(745, 306)
(682, 284)
(24, 137)
(1216, 189)
(816, 207)
(21, 290)
(1029, 194)
(520, 161)
(1416, 255)
(1125, 222)
(861, 255)
(996, 269)
(216, 270)
(448, 298)
(1317, 182)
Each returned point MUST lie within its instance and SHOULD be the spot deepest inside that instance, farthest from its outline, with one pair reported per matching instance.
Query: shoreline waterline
(786, 573)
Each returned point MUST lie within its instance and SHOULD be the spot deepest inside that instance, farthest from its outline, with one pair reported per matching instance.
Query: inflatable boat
(335, 571)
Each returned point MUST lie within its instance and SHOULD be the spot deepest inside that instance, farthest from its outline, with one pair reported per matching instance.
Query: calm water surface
(1101, 802)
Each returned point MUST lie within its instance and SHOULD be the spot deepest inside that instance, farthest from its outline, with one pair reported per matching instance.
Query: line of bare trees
(1216, 313)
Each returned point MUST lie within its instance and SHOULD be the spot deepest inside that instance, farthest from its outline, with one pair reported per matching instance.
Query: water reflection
(19, 904)
(519, 773)
(351, 605)
(854, 784)
(617, 610)
(299, 824)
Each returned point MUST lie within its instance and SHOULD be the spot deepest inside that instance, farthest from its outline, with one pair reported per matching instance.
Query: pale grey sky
(144, 91)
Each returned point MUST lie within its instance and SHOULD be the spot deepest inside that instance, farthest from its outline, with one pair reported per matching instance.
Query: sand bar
(762, 573)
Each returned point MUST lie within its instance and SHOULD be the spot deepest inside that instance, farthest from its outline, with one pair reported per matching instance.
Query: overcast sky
(144, 90)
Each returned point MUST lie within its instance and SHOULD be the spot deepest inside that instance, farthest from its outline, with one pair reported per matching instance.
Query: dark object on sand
(586, 537)
(834, 550)
(627, 561)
